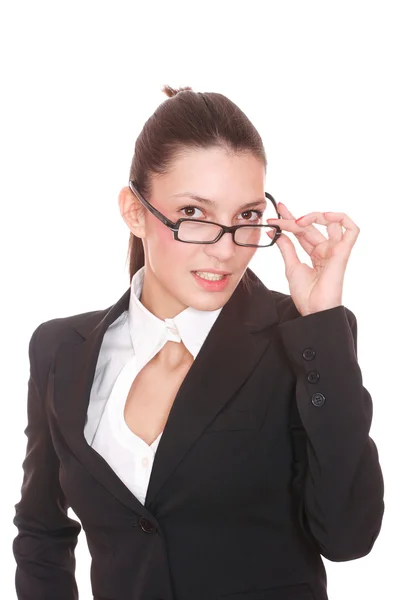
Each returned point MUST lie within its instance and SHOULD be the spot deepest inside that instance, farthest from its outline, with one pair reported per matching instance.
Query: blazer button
(308, 354)
(146, 525)
(313, 376)
(318, 399)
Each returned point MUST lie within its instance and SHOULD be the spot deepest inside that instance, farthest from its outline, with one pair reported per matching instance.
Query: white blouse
(129, 343)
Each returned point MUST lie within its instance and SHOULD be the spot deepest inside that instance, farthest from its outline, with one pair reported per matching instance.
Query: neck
(157, 300)
(174, 356)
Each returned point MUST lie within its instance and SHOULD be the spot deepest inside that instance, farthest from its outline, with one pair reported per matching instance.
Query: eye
(191, 208)
(258, 213)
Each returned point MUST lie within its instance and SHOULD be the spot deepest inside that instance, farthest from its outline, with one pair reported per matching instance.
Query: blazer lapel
(70, 383)
(238, 338)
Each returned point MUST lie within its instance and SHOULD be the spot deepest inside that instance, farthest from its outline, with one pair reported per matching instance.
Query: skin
(169, 287)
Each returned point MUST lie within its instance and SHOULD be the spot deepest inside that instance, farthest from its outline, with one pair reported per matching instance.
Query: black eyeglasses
(196, 231)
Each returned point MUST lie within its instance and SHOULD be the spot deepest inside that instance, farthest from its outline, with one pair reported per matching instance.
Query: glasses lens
(256, 235)
(198, 232)
(207, 232)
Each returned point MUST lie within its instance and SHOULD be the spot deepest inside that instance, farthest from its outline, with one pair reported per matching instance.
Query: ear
(132, 211)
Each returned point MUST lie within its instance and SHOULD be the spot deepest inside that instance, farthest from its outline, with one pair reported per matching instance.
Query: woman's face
(229, 180)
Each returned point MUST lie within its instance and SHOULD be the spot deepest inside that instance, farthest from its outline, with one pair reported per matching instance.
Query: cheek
(168, 249)
(162, 236)
(250, 255)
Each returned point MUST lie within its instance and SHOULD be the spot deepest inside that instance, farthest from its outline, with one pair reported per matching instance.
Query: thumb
(288, 252)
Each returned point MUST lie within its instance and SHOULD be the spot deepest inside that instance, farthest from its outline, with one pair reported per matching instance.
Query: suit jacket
(265, 463)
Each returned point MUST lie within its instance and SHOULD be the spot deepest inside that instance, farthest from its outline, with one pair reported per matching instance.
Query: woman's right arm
(46, 540)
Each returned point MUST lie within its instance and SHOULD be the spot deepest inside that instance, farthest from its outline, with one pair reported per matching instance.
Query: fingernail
(300, 218)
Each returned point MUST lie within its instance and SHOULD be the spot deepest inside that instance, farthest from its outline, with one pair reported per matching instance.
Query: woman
(212, 435)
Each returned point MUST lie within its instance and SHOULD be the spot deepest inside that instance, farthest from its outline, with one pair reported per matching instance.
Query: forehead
(213, 173)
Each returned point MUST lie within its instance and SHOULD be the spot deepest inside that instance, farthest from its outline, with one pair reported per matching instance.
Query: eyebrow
(214, 204)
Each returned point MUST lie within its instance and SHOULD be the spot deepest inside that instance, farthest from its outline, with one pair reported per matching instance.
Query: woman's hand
(320, 287)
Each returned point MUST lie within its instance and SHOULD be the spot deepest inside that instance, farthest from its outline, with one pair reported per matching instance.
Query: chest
(151, 396)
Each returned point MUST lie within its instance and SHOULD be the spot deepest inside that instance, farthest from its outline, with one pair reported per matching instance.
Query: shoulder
(50, 335)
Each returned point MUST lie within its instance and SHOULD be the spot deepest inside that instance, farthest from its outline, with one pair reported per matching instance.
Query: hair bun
(170, 92)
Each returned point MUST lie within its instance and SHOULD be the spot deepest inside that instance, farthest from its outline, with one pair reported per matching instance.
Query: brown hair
(187, 119)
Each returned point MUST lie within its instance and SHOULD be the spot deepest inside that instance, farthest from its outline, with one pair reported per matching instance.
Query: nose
(223, 250)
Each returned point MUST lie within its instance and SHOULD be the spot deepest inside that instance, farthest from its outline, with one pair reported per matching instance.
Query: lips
(210, 284)
(213, 271)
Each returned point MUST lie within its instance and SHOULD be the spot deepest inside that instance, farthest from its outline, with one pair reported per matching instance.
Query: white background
(320, 81)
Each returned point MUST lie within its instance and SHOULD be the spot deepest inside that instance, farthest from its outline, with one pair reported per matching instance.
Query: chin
(213, 301)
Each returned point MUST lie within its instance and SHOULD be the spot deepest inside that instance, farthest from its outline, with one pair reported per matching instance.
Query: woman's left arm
(342, 498)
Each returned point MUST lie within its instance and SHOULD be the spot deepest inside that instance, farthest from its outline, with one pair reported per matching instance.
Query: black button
(308, 354)
(313, 376)
(318, 399)
(146, 525)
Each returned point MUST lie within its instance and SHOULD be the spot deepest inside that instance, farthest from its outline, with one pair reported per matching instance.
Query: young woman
(211, 434)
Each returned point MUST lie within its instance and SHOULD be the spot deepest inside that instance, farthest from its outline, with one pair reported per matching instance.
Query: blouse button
(145, 461)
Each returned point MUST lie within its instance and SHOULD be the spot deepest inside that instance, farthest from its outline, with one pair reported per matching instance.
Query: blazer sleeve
(46, 540)
(342, 499)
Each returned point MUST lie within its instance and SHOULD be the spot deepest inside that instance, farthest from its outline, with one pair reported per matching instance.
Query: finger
(288, 252)
(309, 238)
(334, 230)
(283, 210)
(305, 243)
(306, 234)
(340, 219)
(351, 229)
(289, 215)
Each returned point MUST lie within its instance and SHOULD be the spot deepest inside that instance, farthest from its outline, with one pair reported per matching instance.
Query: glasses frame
(174, 227)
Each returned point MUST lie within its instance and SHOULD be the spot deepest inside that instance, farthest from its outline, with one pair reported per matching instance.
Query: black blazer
(265, 463)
